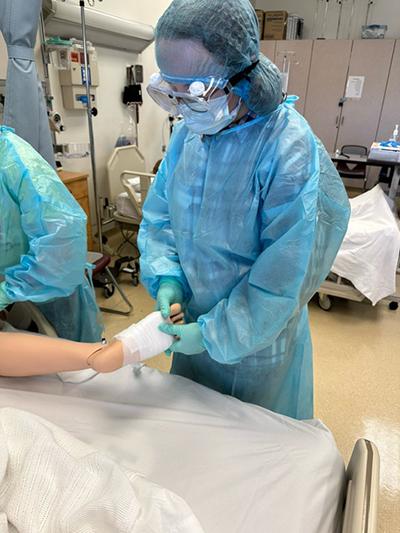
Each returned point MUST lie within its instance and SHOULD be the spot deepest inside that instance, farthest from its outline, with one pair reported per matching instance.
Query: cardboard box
(275, 24)
(261, 17)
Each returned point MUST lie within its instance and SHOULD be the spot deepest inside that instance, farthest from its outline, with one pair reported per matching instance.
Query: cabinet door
(360, 116)
(326, 85)
(391, 105)
(298, 53)
(268, 49)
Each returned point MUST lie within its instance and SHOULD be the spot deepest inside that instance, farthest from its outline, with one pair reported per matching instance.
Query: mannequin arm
(30, 355)
(22, 354)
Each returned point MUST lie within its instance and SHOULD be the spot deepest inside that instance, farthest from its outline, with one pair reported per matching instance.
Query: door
(370, 60)
(326, 86)
(297, 56)
(391, 106)
(268, 49)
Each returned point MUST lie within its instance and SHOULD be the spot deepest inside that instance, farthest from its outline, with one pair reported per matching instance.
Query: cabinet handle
(337, 121)
(341, 123)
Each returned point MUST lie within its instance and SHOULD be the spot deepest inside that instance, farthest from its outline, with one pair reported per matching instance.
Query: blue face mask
(212, 121)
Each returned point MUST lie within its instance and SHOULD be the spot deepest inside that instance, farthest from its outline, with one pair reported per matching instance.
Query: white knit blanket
(51, 482)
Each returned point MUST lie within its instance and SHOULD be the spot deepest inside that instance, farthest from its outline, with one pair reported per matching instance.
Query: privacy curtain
(25, 107)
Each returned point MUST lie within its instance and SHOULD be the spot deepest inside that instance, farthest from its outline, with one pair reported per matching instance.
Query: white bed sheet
(241, 468)
(370, 250)
(125, 206)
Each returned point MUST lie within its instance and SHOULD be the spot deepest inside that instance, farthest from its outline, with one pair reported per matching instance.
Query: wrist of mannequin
(107, 358)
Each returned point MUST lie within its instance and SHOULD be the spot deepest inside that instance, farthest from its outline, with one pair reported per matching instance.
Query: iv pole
(93, 164)
(90, 125)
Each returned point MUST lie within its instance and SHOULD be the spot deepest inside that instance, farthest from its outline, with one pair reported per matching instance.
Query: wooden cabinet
(326, 86)
(77, 184)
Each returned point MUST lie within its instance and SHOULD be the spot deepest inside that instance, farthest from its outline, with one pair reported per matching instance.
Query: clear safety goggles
(194, 94)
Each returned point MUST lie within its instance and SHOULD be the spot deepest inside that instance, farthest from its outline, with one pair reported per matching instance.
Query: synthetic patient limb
(22, 354)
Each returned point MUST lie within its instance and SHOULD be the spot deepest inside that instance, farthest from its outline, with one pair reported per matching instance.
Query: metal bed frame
(340, 289)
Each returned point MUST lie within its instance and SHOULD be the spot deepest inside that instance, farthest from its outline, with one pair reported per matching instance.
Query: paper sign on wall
(355, 86)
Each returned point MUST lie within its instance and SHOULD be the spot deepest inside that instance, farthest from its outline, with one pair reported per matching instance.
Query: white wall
(112, 70)
(112, 73)
(381, 12)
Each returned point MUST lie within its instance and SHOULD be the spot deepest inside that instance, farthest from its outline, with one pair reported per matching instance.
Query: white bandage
(144, 340)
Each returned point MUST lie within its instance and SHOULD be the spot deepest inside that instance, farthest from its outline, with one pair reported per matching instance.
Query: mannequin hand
(170, 292)
(177, 315)
(189, 338)
(113, 356)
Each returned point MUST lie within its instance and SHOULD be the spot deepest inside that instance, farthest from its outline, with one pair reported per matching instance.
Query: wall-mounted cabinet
(370, 59)
(268, 49)
(296, 56)
(391, 107)
(326, 86)
(349, 90)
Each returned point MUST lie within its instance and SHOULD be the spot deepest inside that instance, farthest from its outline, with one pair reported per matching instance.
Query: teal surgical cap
(198, 39)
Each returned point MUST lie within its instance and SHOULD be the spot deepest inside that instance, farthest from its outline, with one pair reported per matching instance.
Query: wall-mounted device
(133, 90)
(72, 79)
(56, 122)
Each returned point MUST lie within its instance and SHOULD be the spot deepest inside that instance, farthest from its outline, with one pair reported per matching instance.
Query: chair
(103, 276)
(353, 171)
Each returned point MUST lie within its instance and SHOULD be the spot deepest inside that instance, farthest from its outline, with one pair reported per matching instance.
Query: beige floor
(357, 382)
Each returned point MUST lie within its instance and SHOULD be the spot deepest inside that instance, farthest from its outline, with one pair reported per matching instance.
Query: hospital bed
(241, 468)
(339, 287)
(367, 264)
(126, 170)
(128, 184)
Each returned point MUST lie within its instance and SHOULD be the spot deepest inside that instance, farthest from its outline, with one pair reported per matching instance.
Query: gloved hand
(4, 300)
(170, 292)
(190, 338)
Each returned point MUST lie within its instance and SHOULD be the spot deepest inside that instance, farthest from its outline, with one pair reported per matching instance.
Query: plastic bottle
(395, 136)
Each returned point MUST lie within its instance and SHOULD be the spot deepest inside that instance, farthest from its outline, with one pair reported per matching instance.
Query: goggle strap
(243, 74)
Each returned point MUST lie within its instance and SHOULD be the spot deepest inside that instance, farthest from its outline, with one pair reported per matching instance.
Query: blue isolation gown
(43, 243)
(249, 221)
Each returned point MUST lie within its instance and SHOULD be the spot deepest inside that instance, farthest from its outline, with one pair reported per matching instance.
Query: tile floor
(357, 381)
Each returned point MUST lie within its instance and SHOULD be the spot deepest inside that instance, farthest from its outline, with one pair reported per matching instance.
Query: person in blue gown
(43, 245)
(246, 214)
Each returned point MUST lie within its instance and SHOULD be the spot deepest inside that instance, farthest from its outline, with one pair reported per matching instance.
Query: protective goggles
(195, 94)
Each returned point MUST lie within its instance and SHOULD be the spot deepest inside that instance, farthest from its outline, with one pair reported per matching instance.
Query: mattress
(241, 468)
(124, 204)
